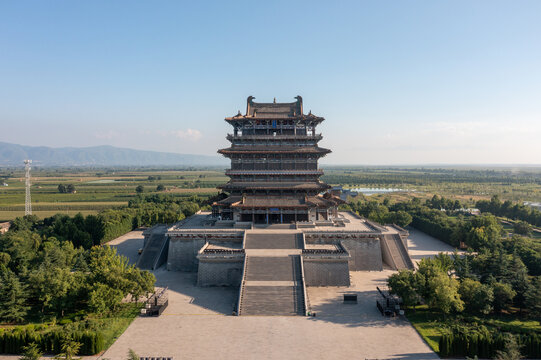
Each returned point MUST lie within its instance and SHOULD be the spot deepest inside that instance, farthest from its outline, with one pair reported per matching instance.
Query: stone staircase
(272, 280)
(398, 252)
(273, 240)
(154, 253)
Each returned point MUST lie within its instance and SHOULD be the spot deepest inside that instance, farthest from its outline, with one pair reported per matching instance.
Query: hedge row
(441, 232)
(115, 228)
(485, 346)
(50, 342)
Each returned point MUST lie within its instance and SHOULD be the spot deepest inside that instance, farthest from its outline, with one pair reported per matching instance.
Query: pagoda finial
(274, 101)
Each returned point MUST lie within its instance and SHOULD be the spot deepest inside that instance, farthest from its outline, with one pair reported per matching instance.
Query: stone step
(398, 252)
(260, 268)
(272, 300)
(273, 241)
(272, 285)
(152, 251)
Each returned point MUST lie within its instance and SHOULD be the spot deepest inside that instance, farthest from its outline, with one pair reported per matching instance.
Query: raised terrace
(254, 257)
(276, 228)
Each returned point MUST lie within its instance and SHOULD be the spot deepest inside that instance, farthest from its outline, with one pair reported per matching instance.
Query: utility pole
(27, 200)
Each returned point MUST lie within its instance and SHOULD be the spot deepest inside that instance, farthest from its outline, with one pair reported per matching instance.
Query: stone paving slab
(197, 325)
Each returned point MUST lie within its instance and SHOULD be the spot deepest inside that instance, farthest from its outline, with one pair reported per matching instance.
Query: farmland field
(98, 189)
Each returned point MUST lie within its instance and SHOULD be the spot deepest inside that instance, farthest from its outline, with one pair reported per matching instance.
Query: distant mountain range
(13, 155)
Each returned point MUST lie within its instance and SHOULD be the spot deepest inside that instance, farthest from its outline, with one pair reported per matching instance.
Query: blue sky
(399, 82)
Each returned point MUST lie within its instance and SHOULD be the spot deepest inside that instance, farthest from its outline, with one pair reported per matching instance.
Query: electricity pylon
(27, 200)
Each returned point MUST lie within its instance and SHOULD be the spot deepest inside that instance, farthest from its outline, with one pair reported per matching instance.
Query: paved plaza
(198, 322)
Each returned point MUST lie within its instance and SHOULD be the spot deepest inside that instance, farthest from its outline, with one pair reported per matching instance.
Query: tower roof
(274, 109)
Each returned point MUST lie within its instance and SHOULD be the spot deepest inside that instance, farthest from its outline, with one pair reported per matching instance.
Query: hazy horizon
(418, 83)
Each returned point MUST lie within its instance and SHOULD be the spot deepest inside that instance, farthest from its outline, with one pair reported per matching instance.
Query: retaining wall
(321, 271)
(220, 271)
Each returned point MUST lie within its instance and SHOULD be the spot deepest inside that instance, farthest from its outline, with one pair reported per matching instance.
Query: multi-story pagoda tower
(274, 175)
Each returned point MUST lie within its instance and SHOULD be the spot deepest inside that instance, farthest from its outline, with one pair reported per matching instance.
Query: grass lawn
(427, 324)
(430, 324)
(118, 324)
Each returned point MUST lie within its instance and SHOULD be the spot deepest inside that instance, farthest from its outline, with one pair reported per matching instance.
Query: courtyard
(198, 322)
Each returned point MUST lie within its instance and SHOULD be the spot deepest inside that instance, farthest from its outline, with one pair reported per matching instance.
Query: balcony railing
(276, 137)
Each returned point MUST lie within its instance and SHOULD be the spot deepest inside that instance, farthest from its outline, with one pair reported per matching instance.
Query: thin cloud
(189, 134)
(106, 135)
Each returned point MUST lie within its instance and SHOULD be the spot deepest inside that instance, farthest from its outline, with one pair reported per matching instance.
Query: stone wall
(365, 254)
(364, 249)
(183, 246)
(220, 271)
(182, 254)
(386, 255)
(325, 271)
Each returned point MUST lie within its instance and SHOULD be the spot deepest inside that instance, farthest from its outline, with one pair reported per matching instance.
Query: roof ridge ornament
(274, 102)
(299, 101)
(249, 103)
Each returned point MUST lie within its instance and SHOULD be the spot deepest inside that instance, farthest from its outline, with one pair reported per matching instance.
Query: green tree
(533, 298)
(70, 188)
(503, 296)
(139, 189)
(160, 187)
(482, 232)
(13, 297)
(518, 278)
(444, 294)
(522, 228)
(62, 188)
(400, 218)
(110, 269)
(189, 208)
(103, 298)
(52, 286)
(31, 352)
(405, 284)
(26, 222)
(5, 258)
(461, 264)
(70, 348)
(477, 297)
(511, 350)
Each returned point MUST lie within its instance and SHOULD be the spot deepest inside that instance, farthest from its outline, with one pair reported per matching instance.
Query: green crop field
(96, 190)
(463, 183)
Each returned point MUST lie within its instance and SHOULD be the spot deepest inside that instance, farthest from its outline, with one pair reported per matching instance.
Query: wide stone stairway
(272, 280)
(153, 256)
(398, 252)
(273, 240)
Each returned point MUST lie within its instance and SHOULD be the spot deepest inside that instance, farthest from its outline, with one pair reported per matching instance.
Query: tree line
(44, 278)
(55, 269)
(497, 274)
(509, 210)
